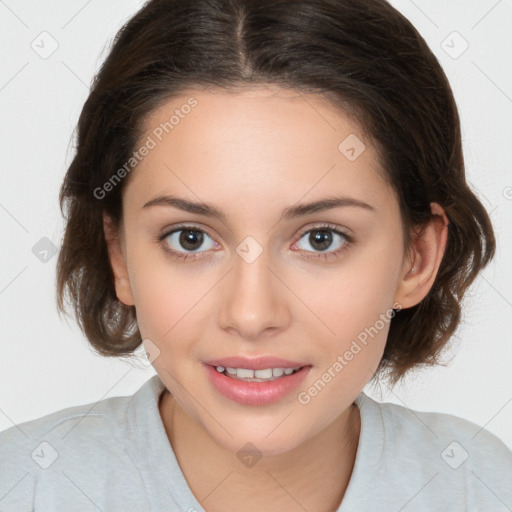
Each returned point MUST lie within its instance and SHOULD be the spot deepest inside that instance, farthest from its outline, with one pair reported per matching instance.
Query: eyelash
(348, 241)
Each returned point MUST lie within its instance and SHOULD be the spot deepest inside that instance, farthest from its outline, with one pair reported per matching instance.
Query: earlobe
(117, 260)
(421, 267)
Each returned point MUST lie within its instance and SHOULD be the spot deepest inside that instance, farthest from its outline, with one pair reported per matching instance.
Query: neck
(313, 476)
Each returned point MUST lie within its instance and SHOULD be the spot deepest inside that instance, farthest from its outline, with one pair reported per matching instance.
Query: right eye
(185, 241)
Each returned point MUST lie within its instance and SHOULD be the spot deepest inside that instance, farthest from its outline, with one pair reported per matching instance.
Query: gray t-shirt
(114, 455)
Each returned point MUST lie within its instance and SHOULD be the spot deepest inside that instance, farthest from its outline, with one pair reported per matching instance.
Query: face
(266, 284)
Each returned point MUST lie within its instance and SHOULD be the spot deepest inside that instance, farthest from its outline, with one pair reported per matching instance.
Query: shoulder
(96, 419)
(468, 442)
(72, 448)
(437, 461)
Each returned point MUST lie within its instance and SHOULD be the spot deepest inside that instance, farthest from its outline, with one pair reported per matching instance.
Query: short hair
(365, 58)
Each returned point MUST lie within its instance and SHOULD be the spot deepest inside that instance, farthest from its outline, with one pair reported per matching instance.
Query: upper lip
(254, 363)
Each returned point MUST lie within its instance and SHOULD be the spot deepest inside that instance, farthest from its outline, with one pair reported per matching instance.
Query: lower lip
(255, 393)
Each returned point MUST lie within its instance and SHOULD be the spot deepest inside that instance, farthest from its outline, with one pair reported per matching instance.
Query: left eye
(189, 239)
(322, 239)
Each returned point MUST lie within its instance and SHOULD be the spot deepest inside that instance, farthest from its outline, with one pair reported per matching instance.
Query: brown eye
(187, 241)
(320, 239)
(191, 239)
(323, 238)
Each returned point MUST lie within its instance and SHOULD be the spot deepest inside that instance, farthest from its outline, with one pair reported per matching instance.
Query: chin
(267, 438)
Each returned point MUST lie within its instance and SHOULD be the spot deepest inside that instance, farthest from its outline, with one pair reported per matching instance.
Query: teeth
(266, 374)
(242, 373)
(263, 374)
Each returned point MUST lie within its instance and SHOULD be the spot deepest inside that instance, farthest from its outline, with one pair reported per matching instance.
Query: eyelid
(183, 255)
(326, 226)
(348, 241)
(166, 232)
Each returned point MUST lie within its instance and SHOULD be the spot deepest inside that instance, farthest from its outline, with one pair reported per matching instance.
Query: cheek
(354, 304)
(359, 314)
(162, 294)
(172, 303)
(352, 297)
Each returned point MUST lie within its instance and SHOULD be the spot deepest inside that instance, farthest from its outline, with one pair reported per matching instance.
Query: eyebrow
(289, 213)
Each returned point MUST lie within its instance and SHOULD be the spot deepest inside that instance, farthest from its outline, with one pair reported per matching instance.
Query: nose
(254, 302)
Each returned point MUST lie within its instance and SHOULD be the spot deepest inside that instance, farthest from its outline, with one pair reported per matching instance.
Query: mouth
(264, 375)
(259, 381)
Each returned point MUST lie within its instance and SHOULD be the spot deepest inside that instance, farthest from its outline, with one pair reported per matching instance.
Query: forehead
(253, 143)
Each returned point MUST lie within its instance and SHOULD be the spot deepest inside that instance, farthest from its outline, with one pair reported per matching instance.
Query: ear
(422, 264)
(117, 258)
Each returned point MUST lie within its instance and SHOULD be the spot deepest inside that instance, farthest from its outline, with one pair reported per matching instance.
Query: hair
(365, 58)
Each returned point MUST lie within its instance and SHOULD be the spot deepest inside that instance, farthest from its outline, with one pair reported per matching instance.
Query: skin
(252, 154)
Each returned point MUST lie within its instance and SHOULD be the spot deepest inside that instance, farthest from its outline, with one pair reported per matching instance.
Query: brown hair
(364, 57)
